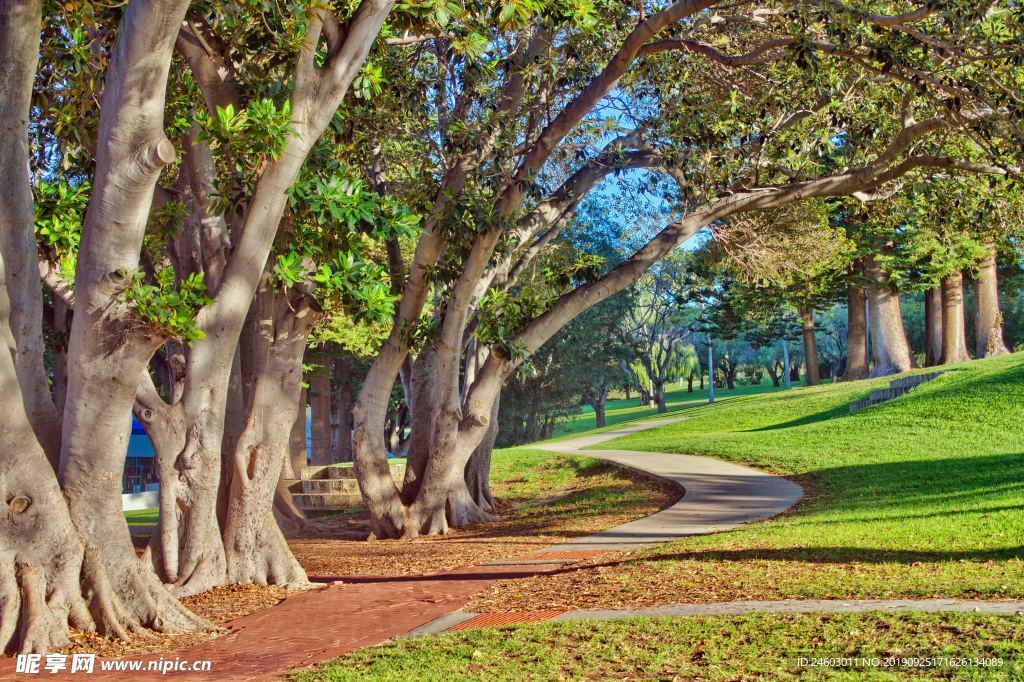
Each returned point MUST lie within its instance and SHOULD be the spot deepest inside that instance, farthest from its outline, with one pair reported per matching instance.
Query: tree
(656, 326)
(594, 350)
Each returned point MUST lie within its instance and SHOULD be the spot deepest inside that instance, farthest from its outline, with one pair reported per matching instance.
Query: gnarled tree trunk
(888, 341)
(47, 579)
(988, 321)
(254, 546)
(599, 401)
(110, 347)
(954, 338)
(421, 396)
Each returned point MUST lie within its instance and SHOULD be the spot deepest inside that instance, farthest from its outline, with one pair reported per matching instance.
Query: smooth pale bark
(810, 346)
(109, 348)
(954, 338)
(856, 335)
(988, 321)
(888, 341)
(316, 94)
(297, 439)
(255, 549)
(932, 326)
(20, 22)
(342, 445)
(478, 470)
(320, 406)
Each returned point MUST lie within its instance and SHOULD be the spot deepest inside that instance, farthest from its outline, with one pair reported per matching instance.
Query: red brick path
(486, 620)
(317, 625)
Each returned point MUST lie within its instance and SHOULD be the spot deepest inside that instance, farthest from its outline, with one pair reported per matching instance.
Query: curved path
(718, 495)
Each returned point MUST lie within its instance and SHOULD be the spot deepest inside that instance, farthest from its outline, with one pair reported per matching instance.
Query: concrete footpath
(718, 495)
(454, 622)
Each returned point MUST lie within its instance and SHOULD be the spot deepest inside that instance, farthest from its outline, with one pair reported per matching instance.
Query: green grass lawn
(754, 646)
(142, 517)
(676, 398)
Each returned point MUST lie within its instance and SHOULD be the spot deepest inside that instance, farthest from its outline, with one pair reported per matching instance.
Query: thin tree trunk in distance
(320, 403)
(810, 346)
(857, 335)
(932, 326)
(954, 339)
(297, 439)
(988, 327)
(343, 411)
(602, 400)
(888, 341)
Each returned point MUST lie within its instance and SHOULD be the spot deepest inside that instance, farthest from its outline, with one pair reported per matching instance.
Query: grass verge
(754, 646)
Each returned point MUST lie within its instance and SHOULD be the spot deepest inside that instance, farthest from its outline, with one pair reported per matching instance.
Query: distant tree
(658, 324)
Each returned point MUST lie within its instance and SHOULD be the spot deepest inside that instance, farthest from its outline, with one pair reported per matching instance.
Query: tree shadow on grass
(916, 488)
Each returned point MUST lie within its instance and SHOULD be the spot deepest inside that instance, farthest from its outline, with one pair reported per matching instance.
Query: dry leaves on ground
(568, 514)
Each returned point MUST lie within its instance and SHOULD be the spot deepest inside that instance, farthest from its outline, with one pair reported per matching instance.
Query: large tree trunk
(47, 579)
(810, 346)
(196, 464)
(932, 326)
(320, 405)
(954, 339)
(856, 335)
(342, 444)
(773, 374)
(255, 548)
(110, 347)
(988, 326)
(19, 51)
(888, 341)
